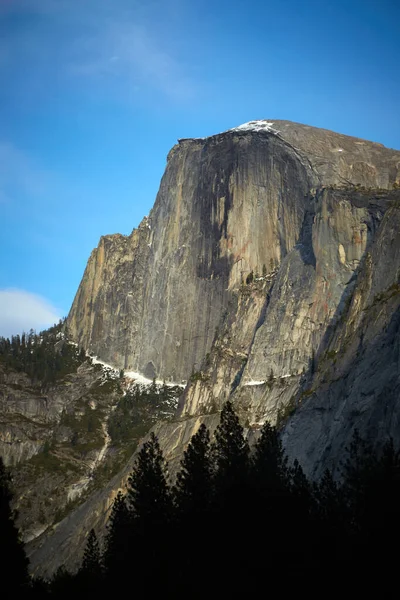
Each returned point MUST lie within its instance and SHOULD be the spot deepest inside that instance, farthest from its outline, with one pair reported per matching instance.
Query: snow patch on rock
(252, 382)
(136, 377)
(260, 125)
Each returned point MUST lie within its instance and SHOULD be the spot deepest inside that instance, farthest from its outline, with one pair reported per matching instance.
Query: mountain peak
(258, 125)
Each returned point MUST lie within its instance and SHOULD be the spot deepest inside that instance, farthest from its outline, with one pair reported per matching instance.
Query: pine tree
(300, 488)
(64, 584)
(117, 542)
(148, 492)
(13, 562)
(193, 483)
(269, 463)
(150, 503)
(229, 518)
(331, 522)
(91, 563)
(269, 496)
(330, 505)
(192, 497)
(230, 451)
(358, 472)
(372, 488)
(299, 511)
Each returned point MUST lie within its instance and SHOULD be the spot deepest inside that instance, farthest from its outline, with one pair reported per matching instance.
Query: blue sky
(94, 93)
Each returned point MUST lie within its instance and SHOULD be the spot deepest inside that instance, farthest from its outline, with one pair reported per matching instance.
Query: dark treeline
(238, 522)
(44, 357)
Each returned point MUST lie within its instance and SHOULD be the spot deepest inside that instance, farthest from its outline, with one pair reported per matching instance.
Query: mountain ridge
(267, 273)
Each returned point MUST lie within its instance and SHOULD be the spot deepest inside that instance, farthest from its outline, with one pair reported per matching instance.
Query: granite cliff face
(151, 302)
(228, 205)
(267, 272)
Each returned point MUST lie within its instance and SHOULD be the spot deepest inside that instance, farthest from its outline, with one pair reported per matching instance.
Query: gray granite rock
(311, 338)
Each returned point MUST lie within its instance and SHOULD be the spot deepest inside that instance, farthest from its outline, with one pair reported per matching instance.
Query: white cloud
(21, 311)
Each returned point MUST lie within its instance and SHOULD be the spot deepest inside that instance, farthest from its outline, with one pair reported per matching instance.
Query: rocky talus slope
(268, 273)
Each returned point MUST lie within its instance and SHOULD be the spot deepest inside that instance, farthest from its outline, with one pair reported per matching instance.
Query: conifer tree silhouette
(91, 571)
(14, 563)
(117, 538)
(192, 496)
(149, 498)
(230, 452)
(269, 462)
(230, 509)
(150, 505)
(192, 491)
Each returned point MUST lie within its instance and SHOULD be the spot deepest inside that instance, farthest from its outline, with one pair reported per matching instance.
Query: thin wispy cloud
(21, 310)
(130, 52)
(124, 47)
(19, 173)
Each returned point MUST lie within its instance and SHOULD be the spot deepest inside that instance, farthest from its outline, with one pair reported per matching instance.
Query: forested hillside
(234, 522)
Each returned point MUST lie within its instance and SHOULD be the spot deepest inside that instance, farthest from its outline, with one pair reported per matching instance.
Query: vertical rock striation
(228, 205)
